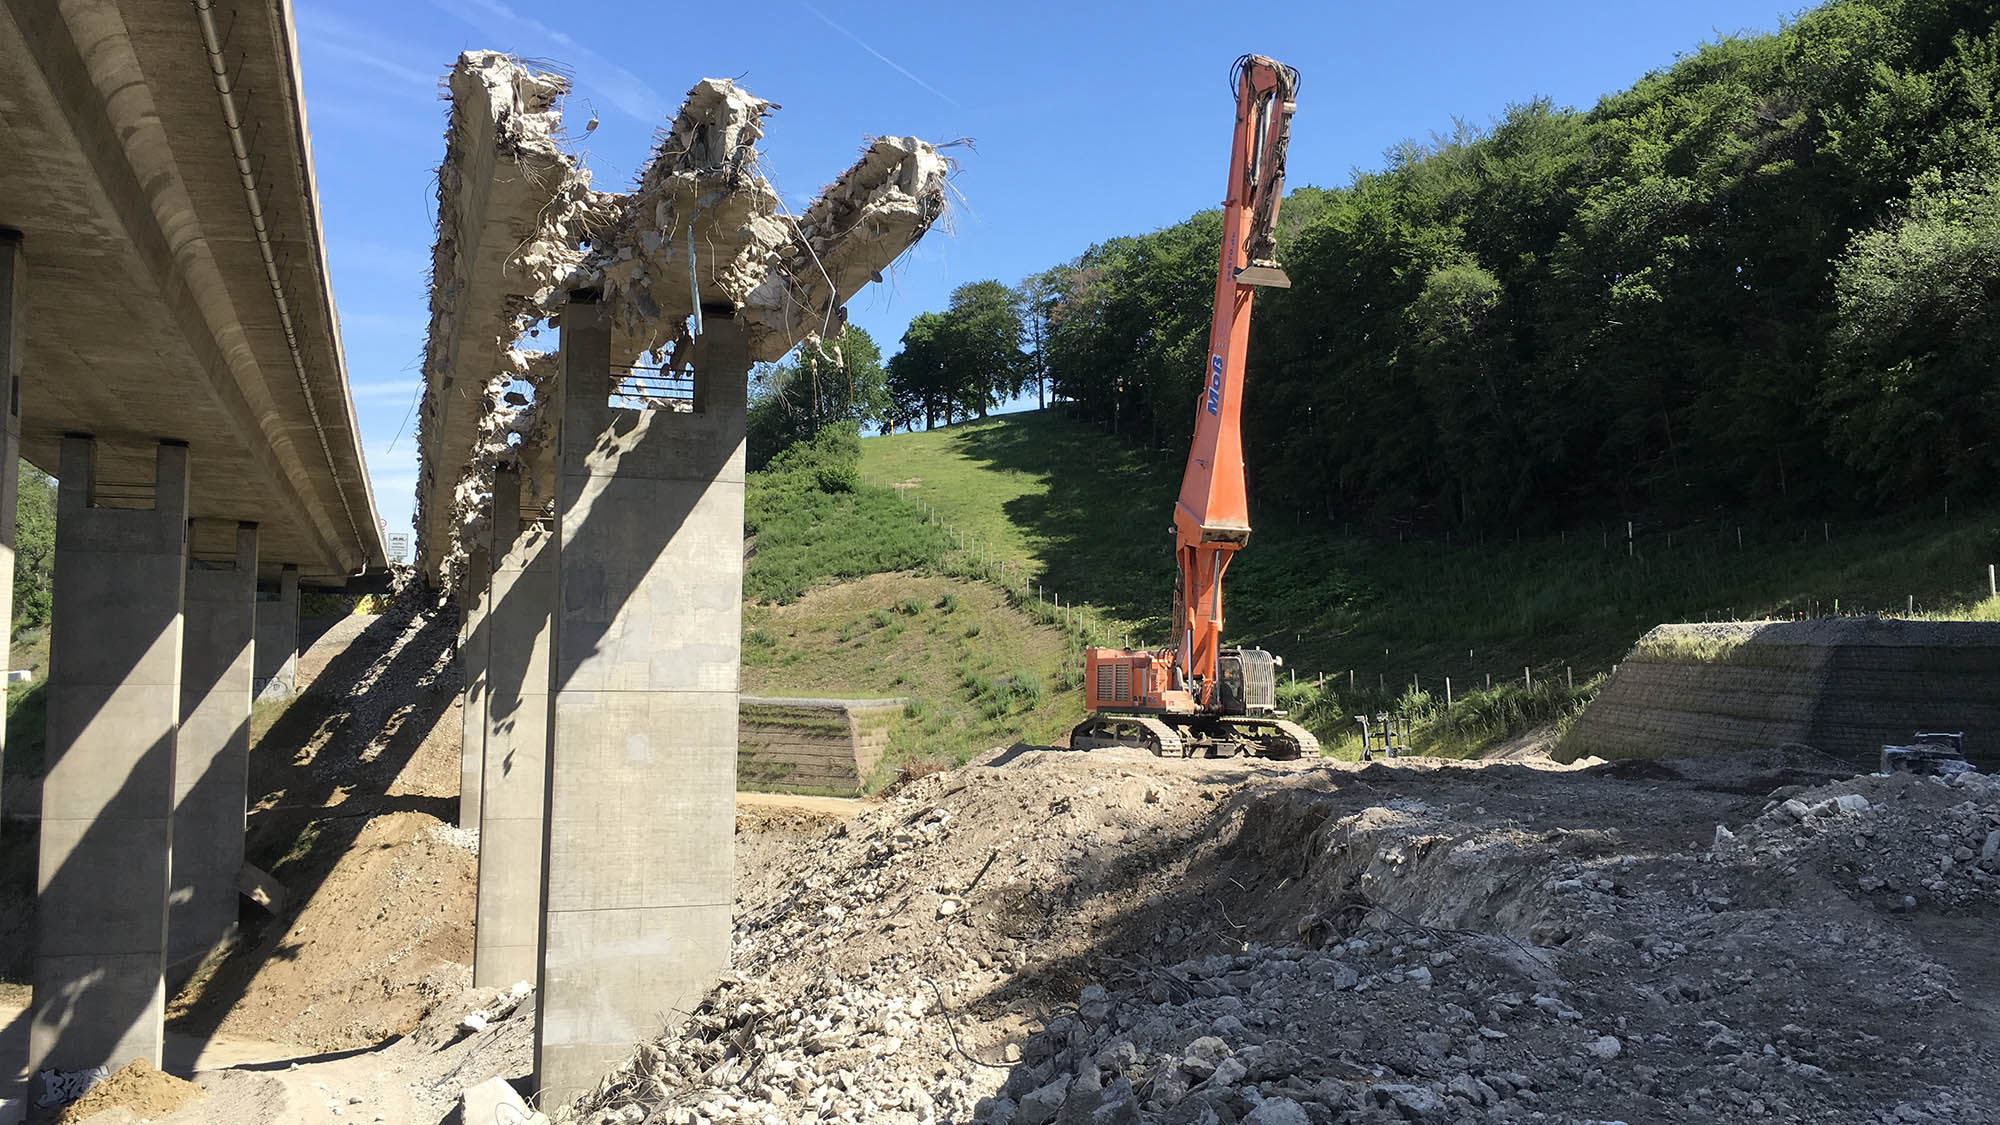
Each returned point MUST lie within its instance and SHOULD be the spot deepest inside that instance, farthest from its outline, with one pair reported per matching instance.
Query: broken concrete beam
(857, 228)
(787, 276)
(704, 228)
(257, 886)
(512, 209)
(494, 1102)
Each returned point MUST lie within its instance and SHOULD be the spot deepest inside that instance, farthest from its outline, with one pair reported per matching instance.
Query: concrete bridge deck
(152, 311)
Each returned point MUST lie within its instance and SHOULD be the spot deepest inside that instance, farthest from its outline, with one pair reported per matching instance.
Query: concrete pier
(277, 657)
(211, 770)
(472, 652)
(642, 768)
(515, 779)
(108, 790)
(13, 345)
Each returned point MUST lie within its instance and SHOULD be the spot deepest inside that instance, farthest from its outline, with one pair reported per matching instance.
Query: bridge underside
(171, 354)
(151, 313)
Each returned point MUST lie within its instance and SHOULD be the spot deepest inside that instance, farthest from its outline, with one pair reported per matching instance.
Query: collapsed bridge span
(520, 226)
(585, 507)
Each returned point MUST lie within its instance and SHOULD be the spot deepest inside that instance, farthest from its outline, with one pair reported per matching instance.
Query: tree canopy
(819, 385)
(962, 361)
(34, 548)
(1763, 277)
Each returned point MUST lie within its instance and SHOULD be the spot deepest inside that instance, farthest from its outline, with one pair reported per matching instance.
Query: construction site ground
(1055, 936)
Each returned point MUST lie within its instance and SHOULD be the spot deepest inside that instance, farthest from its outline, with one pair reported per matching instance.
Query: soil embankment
(353, 795)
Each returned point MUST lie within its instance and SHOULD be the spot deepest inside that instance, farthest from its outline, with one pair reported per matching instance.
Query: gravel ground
(1048, 936)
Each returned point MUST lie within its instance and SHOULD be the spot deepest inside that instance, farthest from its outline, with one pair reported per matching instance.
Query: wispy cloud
(892, 63)
(374, 61)
(626, 91)
(321, 33)
(408, 324)
(386, 388)
(395, 497)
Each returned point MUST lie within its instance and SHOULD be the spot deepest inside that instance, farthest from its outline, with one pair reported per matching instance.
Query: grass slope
(1087, 515)
(976, 671)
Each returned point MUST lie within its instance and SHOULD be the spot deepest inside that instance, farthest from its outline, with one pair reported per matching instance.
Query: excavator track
(1165, 740)
(1141, 731)
(1308, 746)
(1275, 739)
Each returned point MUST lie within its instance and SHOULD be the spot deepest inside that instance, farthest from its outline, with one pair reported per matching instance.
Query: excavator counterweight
(1197, 695)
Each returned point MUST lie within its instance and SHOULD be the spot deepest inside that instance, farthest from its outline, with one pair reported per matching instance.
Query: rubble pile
(1903, 841)
(1077, 938)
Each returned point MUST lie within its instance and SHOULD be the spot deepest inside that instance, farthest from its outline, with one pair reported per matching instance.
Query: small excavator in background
(1197, 695)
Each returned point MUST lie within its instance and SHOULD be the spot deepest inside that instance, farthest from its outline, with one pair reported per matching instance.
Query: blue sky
(1087, 120)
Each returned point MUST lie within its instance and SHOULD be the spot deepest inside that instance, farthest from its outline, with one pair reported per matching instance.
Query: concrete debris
(519, 227)
(494, 1102)
(1494, 943)
(854, 231)
(258, 886)
(788, 276)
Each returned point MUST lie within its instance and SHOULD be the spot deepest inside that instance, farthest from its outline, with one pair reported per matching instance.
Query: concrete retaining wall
(821, 744)
(1844, 686)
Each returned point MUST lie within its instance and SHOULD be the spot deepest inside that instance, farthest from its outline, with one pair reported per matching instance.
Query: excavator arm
(1212, 516)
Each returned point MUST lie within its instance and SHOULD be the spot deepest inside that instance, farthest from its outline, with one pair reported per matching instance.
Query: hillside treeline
(1764, 277)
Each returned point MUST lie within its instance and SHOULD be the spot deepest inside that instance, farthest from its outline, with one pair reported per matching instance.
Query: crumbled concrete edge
(504, 174)
(701, 196)
(788, 276)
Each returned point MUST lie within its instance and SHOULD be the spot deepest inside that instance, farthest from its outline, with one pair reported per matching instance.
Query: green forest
(1763, 278)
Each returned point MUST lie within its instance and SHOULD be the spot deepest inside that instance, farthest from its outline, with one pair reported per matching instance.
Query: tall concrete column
(472, 651)
(108, 791)
(277, 668)
(13, 347)
(515, 780)
(212, 758)
(642, 769)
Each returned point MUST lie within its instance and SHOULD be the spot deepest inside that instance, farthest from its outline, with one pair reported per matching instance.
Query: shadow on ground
(328, 765)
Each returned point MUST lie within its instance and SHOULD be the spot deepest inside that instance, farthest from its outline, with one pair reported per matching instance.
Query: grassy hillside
(1087, 516)
(851, 592)
(855, 591)
(975, 670)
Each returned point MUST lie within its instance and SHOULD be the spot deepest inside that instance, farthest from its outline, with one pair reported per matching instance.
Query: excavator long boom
(1212, 516)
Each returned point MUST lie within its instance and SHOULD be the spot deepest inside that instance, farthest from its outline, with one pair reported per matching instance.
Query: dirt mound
(1083, 938)
(384, 938)
(137, 1088)
(354, 790)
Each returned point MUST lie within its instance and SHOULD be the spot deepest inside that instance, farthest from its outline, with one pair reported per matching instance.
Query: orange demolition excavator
(1198, 695)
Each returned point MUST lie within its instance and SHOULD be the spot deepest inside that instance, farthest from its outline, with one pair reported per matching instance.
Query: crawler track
(1277, 739)
(1143, 731)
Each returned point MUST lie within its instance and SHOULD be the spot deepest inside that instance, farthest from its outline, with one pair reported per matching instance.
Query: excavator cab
(1247, 681)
